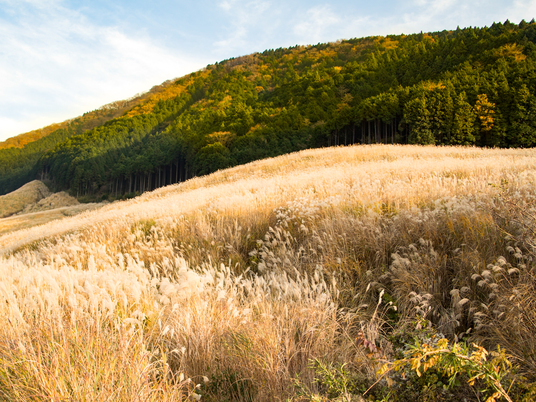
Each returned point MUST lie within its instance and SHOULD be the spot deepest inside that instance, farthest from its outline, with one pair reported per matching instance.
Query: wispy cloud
(246, 18)
(227, 5)
(317, 23)
(523, 9)
(430, 15)
(56, 64)
(323, 23)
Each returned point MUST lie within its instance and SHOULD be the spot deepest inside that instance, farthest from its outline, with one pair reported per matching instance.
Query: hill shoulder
(17, 200)
(56, 200)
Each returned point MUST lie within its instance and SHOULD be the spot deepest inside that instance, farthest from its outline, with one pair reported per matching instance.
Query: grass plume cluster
(261, 282)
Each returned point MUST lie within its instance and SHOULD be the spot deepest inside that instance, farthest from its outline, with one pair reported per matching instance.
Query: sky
(62, 58)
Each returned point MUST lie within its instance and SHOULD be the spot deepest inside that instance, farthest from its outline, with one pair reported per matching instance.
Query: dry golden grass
(365, 176)
(243, 277)
(56, 200)
(26, 220)
(28, 194)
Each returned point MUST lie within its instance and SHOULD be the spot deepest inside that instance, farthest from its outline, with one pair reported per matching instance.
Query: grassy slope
(316, 236)
(39, 215)
(34, 205)
(15, 201)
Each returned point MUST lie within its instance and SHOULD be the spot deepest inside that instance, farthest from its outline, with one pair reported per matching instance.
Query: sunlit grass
(227, 286)
(28, 194)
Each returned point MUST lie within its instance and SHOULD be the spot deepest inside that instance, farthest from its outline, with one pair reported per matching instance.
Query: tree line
(472, 86)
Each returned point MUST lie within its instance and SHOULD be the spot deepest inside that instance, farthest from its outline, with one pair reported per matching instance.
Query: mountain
(19, 155)
(472, 86)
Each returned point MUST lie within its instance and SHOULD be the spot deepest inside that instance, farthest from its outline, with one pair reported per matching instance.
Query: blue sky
(61, 58)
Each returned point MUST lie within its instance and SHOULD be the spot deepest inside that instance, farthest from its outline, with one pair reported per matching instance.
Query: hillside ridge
(88, 120)
(17, 200)
(471, 86)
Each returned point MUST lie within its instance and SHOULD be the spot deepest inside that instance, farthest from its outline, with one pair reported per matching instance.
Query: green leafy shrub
(452, 362)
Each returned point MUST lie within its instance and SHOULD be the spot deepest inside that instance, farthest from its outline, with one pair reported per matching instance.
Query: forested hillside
(469, 86)
(19, 155)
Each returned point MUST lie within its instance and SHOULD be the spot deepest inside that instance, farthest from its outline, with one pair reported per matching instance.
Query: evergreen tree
(463, 124)
(522, 130)
(417, 116)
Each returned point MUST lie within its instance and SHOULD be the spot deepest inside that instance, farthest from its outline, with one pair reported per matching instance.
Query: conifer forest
(471, 86)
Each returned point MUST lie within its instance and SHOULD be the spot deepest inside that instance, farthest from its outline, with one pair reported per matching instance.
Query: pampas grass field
(289, 279)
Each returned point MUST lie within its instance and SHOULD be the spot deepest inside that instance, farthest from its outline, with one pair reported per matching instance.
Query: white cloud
(433, 5)
(17, 126)
(421, 15)
(246, 17)
(35, 3)
(227, 5)
(447, 14)
(55, 64)
(523, 9)
(318, 22)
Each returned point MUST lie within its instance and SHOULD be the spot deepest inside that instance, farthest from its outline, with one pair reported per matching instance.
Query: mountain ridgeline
(472, 86)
